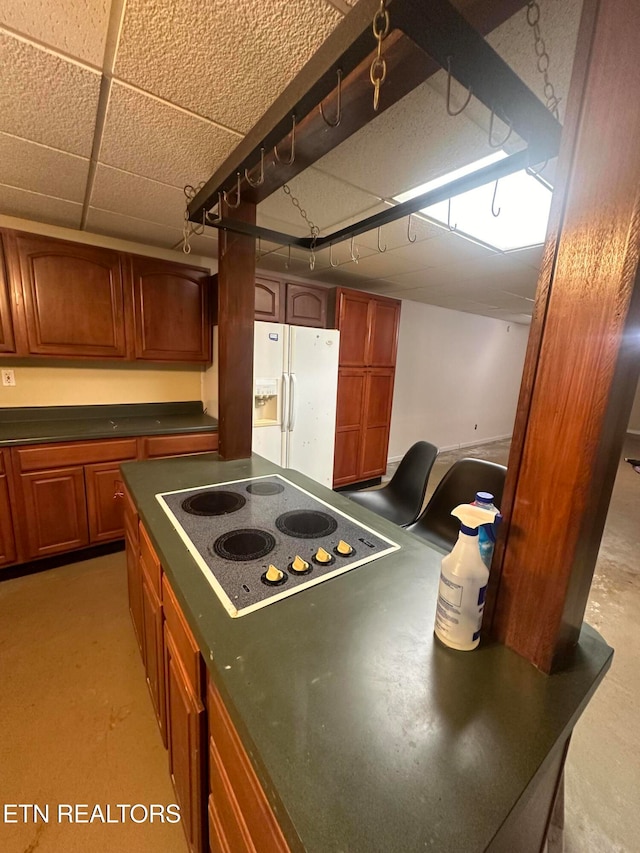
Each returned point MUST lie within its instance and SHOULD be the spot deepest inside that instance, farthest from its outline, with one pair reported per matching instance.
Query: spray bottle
(487, 532)
(463, 583)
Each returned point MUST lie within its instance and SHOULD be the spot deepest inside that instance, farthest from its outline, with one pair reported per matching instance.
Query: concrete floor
(76, 724)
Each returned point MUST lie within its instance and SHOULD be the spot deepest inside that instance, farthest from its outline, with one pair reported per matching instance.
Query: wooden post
(236, 308)
(584, 352)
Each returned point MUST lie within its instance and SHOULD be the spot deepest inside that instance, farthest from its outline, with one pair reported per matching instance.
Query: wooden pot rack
(426, 34)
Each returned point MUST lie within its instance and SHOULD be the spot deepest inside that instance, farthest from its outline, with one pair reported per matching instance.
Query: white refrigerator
(295, 374)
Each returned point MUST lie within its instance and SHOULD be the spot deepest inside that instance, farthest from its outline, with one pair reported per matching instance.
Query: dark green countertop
(367, 734)
(46, 424)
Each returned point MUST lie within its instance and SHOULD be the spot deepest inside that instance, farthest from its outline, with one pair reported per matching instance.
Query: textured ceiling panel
(35, 167)
(325, 199)
(122, 192)
(408, 145)
(39, 208)
(226, 61)
(128, 228)
(76, 28)
(154, 139)
(45, 98)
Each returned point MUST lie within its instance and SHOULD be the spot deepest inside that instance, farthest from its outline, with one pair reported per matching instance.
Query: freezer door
(313, 364)
(270, 415)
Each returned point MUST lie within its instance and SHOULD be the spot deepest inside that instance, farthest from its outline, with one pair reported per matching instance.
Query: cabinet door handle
(118, 493)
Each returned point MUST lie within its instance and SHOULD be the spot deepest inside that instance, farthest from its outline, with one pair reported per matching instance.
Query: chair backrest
(458, 486)
(409, 483)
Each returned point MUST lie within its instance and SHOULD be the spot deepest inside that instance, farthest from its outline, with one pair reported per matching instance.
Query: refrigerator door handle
(284, 419)
(292, 403)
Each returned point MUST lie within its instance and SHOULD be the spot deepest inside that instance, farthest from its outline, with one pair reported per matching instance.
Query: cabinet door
(171, 309)
(186, 739)
(383, 339)
(306, 305)
(134, 584)
(55, 512)
(7, 338)
(349, 425)
(73, 298)
(154, 651)
(377, 421)
(105, 502)
(269, 301)
(7, 539)
(353, 322)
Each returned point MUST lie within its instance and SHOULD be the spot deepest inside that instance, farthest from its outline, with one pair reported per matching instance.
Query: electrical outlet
(8, 377)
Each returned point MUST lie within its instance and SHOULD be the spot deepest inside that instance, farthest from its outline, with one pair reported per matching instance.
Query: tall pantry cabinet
(368, 342)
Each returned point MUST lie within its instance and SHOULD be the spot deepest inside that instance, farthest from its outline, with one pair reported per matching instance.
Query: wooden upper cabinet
(353, 322)
(73, 298)
(7, 338)
(383, 340)
(171, 311)
(306, 305)
(269, 300)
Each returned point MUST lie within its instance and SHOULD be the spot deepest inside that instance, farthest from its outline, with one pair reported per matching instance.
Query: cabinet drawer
(178, 445)
(150, 562)
(226, 824)
(39, 457)
(233, 782)
(130, 517)
(185, 645)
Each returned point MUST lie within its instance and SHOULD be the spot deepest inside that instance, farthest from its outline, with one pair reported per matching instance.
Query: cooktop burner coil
(265, 488)
(306, 523)
(244, 544)
(213, 503)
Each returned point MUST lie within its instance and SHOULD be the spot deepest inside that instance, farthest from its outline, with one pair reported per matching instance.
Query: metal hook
(260, 180)
(292, 155)
(501, 142)
(339, 105)
(337, 263)
(415, 236)
(355, 257)
(211, 221)
(380, 249)
(226, 197)
(449, 225)
(493, 202)
(469, 93)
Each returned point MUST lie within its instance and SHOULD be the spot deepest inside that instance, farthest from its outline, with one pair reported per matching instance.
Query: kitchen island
(365, 733)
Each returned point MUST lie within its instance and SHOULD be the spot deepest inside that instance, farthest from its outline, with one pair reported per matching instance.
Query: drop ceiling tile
(131, 195)
(228, 64)
(41, 169)
(409, 144)
(204, 245)
(510, 301)
(325, 200)
(79, 29)
(40, 208)
(45, 98)
(153, 139)
(531, 257)
(128, 228)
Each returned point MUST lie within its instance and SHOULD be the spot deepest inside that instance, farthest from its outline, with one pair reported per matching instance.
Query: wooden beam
(583, 358)
(236, 308)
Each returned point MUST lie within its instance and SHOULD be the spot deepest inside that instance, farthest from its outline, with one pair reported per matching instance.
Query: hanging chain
(533, 19)
(313, 228)
(188, 228)
(378, 70)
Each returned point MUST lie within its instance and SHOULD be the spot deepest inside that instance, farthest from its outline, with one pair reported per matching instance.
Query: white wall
(454, 371)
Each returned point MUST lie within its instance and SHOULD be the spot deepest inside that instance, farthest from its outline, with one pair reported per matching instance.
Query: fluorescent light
(523, 202)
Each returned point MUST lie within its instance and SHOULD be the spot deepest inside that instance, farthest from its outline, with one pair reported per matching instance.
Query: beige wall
(634, 420)
(454, 371)
(78, 383)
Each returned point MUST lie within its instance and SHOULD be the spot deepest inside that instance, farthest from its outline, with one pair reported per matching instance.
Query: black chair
(401, 499)
(458, 486)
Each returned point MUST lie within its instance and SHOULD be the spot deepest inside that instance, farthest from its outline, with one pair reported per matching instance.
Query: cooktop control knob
(299, 566)
(274, 576)
(323, 557)
(344, 549)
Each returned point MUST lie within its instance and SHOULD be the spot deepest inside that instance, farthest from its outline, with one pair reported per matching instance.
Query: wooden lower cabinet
(105, 501)
(365, 396)
(134, 584)
(153, 644)
(7, 539)
(54, 511)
